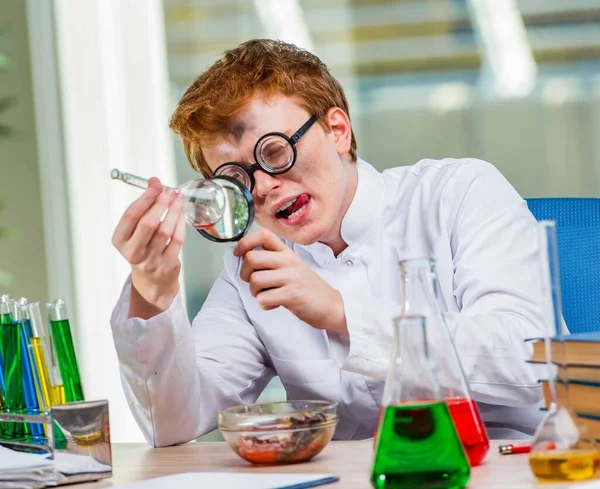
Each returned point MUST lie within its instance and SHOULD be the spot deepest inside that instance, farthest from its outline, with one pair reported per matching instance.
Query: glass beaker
(562, 448)
(417, 442)
(421, 296)
(220, 208)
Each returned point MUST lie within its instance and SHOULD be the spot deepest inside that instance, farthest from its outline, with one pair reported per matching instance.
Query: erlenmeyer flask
(562, 448)
(417, 443)
(421, 296)
(219, 208)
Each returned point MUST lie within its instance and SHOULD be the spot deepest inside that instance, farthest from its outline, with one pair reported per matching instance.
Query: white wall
(114, 94)
(24, 256)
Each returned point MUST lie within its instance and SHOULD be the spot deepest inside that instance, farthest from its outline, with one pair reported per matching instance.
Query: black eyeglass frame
(291, 140)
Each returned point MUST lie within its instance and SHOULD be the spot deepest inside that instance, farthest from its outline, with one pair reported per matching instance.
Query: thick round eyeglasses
(275, 153)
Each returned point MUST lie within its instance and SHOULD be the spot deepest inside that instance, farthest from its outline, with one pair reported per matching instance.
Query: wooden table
(349, 460)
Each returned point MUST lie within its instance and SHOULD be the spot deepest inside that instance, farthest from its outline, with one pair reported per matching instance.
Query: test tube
(38, 353)
(28, 373)
(60, 329)
(56, 388)
(42, 351)
(10, 345)
(4, 319)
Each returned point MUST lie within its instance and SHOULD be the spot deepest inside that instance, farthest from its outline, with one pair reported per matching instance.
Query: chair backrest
(578, 235)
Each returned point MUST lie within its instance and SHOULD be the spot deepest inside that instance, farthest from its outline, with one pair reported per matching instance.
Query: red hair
(257, 67)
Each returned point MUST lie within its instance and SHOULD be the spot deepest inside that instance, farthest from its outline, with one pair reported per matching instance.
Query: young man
(311, 296)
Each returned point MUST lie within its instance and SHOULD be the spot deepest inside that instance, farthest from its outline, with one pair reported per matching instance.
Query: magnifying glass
(220, 208)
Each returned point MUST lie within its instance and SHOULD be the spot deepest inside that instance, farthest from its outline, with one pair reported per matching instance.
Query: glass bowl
(279, 432)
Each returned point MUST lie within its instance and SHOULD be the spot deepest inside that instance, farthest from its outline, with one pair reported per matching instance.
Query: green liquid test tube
(60, 329)
(10, 345)
(4, 319)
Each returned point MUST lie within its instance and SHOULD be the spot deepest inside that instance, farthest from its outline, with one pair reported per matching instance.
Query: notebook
(237, 480)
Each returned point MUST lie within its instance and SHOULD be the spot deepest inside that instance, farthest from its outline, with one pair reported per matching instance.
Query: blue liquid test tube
(21, 316)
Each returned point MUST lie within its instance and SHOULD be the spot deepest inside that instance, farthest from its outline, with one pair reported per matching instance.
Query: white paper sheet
(238, 480)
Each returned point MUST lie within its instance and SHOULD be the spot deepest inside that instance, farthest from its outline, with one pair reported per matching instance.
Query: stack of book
(577, 358)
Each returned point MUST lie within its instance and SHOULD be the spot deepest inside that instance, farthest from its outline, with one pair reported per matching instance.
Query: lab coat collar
(365, 204)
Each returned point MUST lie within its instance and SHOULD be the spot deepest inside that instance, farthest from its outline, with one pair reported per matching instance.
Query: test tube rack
(86, 428)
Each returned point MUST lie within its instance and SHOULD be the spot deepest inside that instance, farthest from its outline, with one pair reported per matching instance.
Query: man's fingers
(263, 238)
(135, 211)
(172, 251)
(260, 260)
(150, 221)
(271, 298)
(163, 235)
(266, 279)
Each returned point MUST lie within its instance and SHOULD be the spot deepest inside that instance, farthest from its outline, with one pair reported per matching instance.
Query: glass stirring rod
(204, 200)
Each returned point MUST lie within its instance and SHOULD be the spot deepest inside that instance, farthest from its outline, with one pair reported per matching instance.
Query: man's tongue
(301, 201)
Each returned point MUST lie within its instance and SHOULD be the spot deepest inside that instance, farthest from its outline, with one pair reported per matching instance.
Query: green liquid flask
(60, 330)
(417, 442)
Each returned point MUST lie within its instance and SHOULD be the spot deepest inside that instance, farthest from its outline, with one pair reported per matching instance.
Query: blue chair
(578, 235)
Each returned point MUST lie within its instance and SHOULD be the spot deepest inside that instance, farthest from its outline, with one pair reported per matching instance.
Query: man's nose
(264, 183)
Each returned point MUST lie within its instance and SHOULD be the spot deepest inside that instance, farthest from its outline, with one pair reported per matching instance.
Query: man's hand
(278, 277)
(151, 242)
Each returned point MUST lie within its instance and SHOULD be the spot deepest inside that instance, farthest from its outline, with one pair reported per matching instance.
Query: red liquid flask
(421, 296)
(465, 414)
(470, 428)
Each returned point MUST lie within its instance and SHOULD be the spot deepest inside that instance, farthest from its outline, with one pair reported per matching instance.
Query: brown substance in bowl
(280, 432)
(283, 447)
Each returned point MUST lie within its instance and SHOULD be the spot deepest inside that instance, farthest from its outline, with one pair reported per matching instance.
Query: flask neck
(129, 178)
(420, 294)
(412, 374)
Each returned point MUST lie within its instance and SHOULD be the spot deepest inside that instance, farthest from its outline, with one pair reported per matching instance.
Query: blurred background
(87, 86)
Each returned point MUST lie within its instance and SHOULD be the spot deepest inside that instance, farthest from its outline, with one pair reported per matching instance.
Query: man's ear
(341, 129)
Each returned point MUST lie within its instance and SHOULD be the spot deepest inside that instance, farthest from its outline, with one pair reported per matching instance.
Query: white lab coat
(461, 212)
